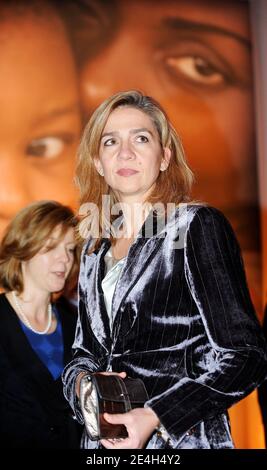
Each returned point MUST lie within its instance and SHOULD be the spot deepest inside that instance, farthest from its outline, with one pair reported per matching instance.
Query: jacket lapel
(91, 296)
(145, 247)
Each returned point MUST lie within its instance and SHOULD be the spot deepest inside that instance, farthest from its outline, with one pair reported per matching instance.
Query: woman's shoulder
(202, 212)
(3, 303)
(208, 226)
(9, 318)
(3, 300)
(201, 220)
(198, 208)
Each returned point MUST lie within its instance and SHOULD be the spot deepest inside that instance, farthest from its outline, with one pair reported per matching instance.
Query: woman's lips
(127, 172)
(59, 274)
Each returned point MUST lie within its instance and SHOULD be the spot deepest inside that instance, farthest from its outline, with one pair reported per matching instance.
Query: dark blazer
(33, 411)
(183, 322)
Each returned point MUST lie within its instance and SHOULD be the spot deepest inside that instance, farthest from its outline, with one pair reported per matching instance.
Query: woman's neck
(35, 303)
(134, 216)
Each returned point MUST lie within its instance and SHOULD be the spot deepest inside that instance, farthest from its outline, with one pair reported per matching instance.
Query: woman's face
(49, 268)
(130, 154)
(195, 58)
(40, 118)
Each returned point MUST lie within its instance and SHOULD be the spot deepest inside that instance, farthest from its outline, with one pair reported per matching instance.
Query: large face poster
(59, 60)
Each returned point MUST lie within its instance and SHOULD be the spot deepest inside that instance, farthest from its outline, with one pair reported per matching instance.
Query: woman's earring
(101, 172)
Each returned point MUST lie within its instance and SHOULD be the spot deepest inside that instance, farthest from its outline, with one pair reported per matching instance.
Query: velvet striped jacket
(183, 321)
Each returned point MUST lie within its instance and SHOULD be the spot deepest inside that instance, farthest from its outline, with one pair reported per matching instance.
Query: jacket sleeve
(216, 279)
(84, 358)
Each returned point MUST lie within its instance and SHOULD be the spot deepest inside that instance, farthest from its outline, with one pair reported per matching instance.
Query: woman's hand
(140, 424)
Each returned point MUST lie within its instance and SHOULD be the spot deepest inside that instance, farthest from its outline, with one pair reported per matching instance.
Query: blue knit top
(49, 347)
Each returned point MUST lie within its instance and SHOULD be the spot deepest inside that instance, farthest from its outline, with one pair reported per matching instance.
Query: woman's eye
(109, 142)
(197, 69)
(142, 138)
(47, 147)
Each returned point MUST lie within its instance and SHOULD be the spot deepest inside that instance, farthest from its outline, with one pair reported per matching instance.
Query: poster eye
(46, 147)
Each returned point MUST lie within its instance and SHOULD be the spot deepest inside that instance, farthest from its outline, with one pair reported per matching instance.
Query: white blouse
(113, 269)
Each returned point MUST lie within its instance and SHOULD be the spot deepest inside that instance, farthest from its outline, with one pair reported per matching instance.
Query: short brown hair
(26, 235)
(172, 185)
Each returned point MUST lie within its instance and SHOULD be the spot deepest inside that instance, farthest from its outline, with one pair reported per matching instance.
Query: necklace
(25, 319)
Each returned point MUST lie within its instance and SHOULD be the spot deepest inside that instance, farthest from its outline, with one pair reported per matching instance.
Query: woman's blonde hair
(27, 234)
(172, 186)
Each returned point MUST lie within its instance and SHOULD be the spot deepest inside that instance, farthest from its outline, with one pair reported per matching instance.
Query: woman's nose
(62, 254)
(126, 152)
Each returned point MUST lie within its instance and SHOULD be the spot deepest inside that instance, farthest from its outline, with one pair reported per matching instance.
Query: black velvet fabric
(183, 322)
(33, 411)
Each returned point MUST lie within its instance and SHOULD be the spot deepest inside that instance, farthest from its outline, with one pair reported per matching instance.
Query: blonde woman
(162, 290)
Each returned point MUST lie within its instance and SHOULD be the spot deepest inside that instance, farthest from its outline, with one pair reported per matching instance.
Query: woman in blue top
(37, 257)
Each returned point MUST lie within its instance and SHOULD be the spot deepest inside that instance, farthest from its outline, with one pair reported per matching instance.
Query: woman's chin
(57, 287)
